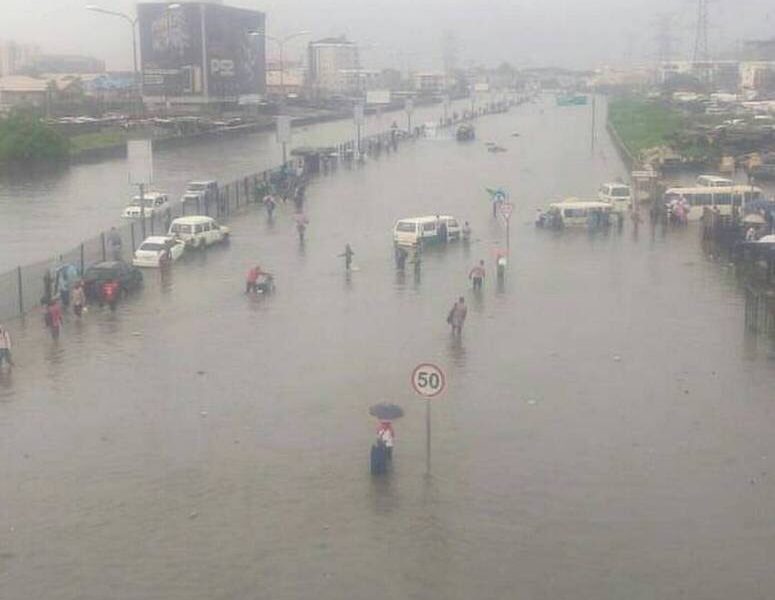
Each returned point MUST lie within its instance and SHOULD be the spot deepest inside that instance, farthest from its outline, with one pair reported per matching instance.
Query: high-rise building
(201, 52)
(15, 57)
(328, 58)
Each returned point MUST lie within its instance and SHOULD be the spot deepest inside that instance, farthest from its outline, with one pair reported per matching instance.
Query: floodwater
(47, 213)
(607, 431)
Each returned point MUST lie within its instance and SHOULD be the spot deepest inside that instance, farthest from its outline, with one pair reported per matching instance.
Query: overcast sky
(573, 33)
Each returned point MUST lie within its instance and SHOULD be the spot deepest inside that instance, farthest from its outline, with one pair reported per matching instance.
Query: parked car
(108, 281)
(155, 203)
(151, 251)
(198, 231)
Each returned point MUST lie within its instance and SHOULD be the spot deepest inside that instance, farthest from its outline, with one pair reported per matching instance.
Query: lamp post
(133, 24)
(281, 43)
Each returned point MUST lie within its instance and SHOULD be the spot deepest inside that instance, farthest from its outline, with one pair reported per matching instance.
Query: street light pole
(281, 44)
(138, 87)
(133, 24)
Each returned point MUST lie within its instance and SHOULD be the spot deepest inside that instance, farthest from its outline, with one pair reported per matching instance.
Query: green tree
(25, 138)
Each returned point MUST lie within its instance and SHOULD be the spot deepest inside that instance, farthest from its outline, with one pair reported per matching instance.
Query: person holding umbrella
(382, 450)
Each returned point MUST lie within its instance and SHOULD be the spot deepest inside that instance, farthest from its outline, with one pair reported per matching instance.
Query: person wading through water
(457, 316)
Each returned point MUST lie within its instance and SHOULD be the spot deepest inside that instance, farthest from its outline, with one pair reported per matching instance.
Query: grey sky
(575, 33)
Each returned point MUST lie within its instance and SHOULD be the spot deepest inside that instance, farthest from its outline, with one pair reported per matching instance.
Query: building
(356, 82)
(286, 79)
(66, 64)
(759, 50)
(20, 90)
(757, 76)
(15, 58)
(199, 53)
(429, 83)
(327, 58)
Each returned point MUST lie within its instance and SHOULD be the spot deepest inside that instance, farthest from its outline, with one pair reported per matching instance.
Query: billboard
(378, 97)
(200, 49)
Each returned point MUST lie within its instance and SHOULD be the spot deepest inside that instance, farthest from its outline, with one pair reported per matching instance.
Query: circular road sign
(428, 380)
(506, 209)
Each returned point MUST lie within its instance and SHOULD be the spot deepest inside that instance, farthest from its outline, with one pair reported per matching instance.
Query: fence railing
(25, 287)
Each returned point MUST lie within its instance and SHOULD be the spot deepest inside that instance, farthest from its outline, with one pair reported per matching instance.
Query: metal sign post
(359, 120)
(409, 108)
(507, 208)
(428, 381)
(284, 135)
(140, 159)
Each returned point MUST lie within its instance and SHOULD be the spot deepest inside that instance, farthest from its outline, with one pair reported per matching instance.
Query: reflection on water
(456, 350)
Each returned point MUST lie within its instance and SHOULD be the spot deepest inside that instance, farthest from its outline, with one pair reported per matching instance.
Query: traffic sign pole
(507, 208)
(428, 436)
(428, 381)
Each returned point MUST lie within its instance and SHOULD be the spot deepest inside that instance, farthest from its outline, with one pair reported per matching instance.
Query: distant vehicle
(429, 229)
(209, 188)
(720, 198)
(198, 231)
(465, 133)
(571, 100)
(126, 278)
(714, 181)
(193, 199)
(619, 195)
(764, 169)
(150, 252)
(155, 203)
(574, 213)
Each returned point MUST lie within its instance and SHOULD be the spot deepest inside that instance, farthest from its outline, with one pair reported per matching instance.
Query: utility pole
(701, 34)
(664, 37)
(594, 119)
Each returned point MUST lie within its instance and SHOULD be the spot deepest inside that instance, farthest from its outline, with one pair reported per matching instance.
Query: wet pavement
(47, 213)
(606, 433)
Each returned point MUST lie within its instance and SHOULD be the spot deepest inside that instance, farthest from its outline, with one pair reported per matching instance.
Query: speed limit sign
(428, 380)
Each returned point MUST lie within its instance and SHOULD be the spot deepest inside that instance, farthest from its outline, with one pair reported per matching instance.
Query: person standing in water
(78, 298)
(348, 256)
(5, 347)
(477, 275)
(457, 316)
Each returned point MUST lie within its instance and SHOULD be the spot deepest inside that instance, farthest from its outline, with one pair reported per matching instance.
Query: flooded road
(606, 433)
(45, 214)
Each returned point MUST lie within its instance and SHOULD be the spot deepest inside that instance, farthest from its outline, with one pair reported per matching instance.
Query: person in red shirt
(251, 281)
(54, 318)
(110, 293)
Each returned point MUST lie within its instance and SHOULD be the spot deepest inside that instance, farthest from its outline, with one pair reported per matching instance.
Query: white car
(150, 252)
(198, 231)
(155, 203)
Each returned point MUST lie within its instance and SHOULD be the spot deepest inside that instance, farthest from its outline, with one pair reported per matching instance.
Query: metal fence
(24, 287)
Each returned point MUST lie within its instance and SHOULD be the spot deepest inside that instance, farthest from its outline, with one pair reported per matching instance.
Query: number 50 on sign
(428, 380)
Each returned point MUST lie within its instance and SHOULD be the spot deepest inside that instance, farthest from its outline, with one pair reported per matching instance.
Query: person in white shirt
(5, 347)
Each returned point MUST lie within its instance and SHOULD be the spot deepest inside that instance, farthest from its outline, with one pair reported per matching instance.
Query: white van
(618, 195)
(430, 229)
(580, 213)
(198, 231)
(714, 181)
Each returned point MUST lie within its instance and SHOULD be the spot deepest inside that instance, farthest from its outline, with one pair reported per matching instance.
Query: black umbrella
(386, 411)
